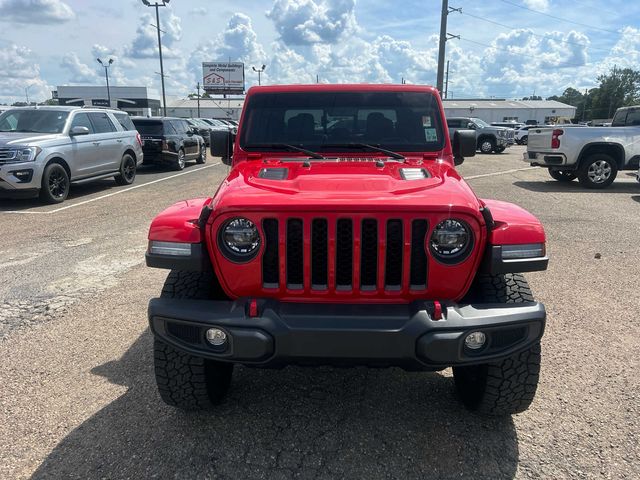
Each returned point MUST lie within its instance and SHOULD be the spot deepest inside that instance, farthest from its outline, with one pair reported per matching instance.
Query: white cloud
(626, 52)
(198, 11)
(145, 43)
(19, 72)
(303, 22)
(542, 5)
(79, 72)
(36, 11)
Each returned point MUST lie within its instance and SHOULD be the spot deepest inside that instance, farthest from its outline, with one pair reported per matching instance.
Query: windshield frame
(428, 108)
(481, 123)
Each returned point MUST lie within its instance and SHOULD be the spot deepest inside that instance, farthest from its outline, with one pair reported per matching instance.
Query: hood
(9, 139)
(345, 184)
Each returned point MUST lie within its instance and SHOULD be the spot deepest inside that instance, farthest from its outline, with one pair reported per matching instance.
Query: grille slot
(369, 254)
(271, 258)
(393, 262)
(186, 333)
(295, 260)
(344, 253)
(418, 276)
(319, 253)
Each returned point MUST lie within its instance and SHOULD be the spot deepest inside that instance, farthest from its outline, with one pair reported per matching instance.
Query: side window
(125, 121)
(169, 128)
(82, 120)
(454, 123)
(633, 117)
(101, 122)
(185, 126)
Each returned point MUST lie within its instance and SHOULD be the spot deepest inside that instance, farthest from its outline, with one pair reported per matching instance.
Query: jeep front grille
(360, 253)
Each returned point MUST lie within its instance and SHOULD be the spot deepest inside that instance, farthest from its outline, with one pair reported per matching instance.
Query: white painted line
(503, 172)
(115, 193)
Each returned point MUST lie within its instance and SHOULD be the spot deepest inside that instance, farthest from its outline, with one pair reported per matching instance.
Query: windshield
(481, 123)
(35, 121)
(146, 127)
(328, 121)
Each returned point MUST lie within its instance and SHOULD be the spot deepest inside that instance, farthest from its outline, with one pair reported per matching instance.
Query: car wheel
(202, 156)
(55, 184)
(487, 145)
(187, 381)
(507, 386)
(500, 149)
(597, 171)
(128, 169)
(180, 161)
(562, 175)
(524, 140)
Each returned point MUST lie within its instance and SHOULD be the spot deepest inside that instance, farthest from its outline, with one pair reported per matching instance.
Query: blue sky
(507, 49)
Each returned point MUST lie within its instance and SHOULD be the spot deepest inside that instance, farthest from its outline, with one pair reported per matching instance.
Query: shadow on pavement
(575, 187)
(291, 423)
(636, 198)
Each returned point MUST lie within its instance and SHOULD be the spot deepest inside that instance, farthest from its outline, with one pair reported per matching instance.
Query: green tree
(618, 88)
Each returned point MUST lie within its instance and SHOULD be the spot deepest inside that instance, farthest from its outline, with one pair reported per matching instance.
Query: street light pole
(156, 5)
(259, 71)
(106, 75)
(26, 93)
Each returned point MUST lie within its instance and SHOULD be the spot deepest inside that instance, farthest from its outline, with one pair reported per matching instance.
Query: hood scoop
(279, 173)
(414, 173)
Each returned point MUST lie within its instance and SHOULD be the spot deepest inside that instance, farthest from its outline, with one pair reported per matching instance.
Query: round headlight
(451, 241)
(239, 239)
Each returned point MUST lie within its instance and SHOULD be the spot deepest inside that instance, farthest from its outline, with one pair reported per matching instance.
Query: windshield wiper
(287, 146)
(376, 148)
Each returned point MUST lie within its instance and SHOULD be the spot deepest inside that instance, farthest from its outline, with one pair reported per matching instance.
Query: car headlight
(239, 239)
(27, 154)
(502, 133)
(451, 241)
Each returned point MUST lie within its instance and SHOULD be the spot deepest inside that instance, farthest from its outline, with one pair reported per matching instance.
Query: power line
(557, 18)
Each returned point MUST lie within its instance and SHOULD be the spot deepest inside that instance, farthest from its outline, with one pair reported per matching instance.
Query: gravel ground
(78, 398)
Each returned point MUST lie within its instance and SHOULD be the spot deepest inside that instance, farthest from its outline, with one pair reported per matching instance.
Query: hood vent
(414, 173)
(274, 173)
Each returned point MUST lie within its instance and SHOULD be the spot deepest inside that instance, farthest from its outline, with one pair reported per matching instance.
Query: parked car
(220, 125)
(490, 139)
(522, 134)
(593, 155)
(169, 141)
(45, 149)
(361, 248)
(200, 128)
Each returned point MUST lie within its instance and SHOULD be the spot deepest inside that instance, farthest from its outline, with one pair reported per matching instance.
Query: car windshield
(481, 123)
(333, 121)
(35, 121)
(146, 127)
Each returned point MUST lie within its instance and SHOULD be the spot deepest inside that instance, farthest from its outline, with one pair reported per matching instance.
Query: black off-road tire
(486, 144)
(128, 168)
(507, 386)
(587, 173)
(562, 175)
(55, 184)
(187, 381)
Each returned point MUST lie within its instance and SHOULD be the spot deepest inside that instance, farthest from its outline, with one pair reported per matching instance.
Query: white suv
(45, 149)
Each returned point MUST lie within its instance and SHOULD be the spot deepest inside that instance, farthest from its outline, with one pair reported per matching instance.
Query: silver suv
(490, 138)
(45, 149)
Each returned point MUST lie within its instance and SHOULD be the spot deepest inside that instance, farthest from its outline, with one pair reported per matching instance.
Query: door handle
(96, 143)
(119, 141)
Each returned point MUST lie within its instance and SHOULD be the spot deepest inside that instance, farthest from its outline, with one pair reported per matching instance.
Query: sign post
(223, 77)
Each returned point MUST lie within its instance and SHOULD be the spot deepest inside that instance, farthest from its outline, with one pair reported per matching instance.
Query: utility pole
(26, 93)
(446, 82)
(156, 5)
(198, 99)
(444, 36)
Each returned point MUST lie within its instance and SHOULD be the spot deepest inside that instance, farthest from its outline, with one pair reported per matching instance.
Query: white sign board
(223, 77)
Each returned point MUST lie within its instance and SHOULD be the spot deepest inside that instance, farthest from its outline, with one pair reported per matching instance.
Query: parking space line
(503, 172)
(114, 193)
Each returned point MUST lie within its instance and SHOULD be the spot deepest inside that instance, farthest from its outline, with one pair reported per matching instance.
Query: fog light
(216, 337)
(475, 340)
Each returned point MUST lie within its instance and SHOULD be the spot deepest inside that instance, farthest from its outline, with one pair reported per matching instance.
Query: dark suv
(169, 141)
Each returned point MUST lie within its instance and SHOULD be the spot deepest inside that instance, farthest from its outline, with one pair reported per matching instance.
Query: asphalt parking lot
(78, 399)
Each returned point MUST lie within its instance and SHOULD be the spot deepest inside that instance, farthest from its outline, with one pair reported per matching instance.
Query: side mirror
(75, 131)
(471, 126)
(222, 145)
(464, 145)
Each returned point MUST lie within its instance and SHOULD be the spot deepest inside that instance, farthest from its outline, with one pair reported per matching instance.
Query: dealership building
(134, 100)
(500, 110)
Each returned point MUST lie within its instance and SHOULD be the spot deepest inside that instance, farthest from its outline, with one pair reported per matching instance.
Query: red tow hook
(437, 310)
(253, 308)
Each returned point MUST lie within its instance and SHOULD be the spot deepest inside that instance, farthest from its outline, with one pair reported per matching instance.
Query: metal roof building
(209, 107)
(500, 110)
(135, 100)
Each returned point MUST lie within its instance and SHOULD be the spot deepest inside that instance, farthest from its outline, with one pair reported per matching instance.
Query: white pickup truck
(593, 155)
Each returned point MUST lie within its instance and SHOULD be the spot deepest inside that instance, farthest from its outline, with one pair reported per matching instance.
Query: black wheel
(202, 156)
(55, 184)
(524, 140)
(187, 381)
(597, 171)
(128, 169)
(500, 149)
(180, 161)
(562, 175)
(486, 145)
(507, 386)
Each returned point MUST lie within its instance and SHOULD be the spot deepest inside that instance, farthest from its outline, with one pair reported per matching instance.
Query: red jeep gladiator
(343, 235)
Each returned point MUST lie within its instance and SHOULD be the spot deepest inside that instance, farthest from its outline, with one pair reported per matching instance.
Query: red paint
(437, 310)
(356, 190)
(253, 308)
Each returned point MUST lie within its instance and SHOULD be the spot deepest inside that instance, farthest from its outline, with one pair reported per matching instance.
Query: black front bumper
(334, 334)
